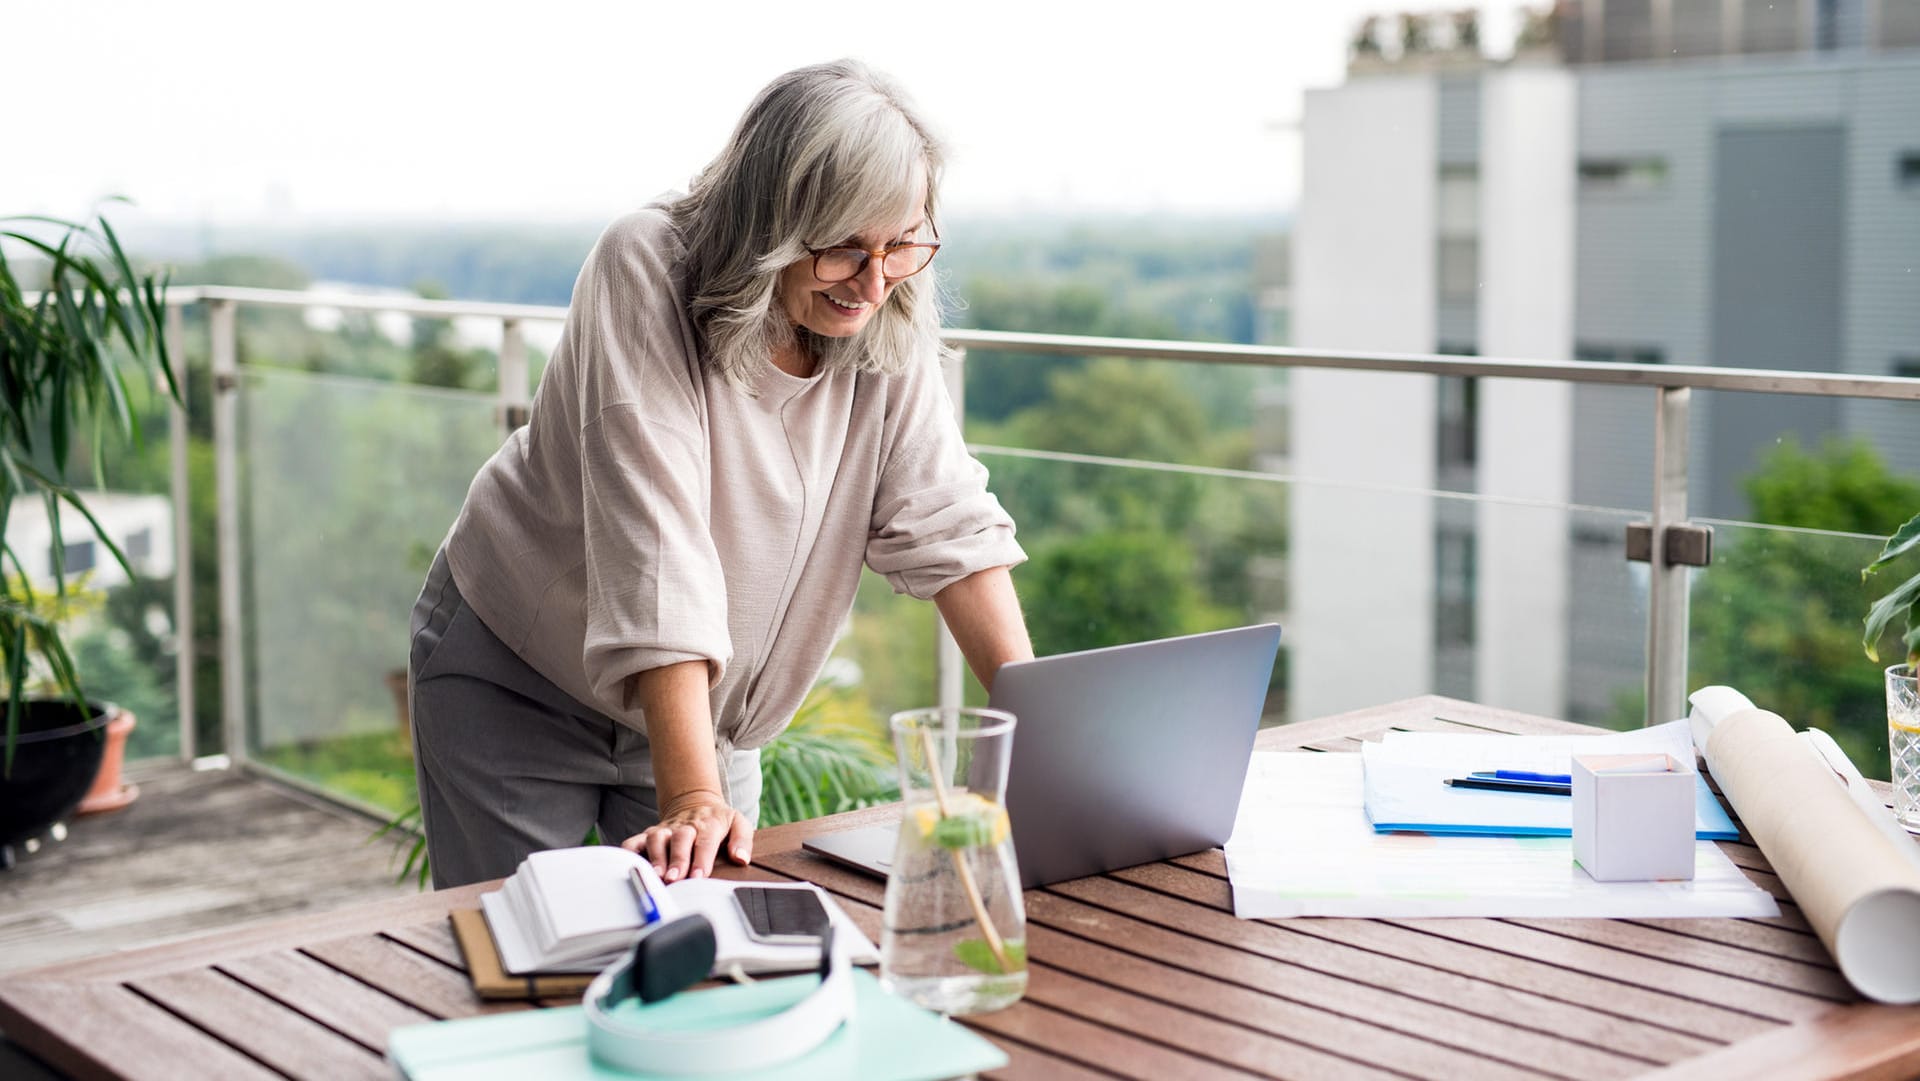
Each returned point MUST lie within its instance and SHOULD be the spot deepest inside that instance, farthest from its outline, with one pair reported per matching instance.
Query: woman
(744, 406)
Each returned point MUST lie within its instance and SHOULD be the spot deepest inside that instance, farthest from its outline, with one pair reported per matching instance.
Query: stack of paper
(1406, 774)
(1302, 846)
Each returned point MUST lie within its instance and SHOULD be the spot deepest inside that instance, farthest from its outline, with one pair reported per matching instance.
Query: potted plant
(1903, 680)
(65, 360)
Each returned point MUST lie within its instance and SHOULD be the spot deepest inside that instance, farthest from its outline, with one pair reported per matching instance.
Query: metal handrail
(1672, 386)
(1755, 380)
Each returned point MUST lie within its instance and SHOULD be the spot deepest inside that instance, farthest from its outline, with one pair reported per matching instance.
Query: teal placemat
(889, 1039)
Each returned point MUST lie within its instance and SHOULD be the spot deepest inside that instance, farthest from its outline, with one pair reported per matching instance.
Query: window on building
(1695, 27)
(1604, 353)
(75, 557)
(1459, 268)
(1454, 558)
(1906, 170)
(1458, 213)
(1906, 367)
(1599, 175)
(1768, 26)
(139, 545)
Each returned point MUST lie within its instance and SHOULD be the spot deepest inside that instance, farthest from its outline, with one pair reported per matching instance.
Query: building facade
(1753, 211)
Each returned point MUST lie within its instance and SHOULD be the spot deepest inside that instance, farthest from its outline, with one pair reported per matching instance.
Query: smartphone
(781, 916)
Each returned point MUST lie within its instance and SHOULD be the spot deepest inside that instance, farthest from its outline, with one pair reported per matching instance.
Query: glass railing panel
(349, 486)
(1382, 593)
(1778, 617)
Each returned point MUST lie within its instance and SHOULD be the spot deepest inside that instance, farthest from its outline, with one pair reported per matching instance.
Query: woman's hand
(691, 831)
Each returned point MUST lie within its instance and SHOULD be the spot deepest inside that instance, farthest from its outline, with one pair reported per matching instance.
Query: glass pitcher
(955, 931)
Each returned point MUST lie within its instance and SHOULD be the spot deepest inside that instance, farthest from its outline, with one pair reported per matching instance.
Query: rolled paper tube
(1860, 893)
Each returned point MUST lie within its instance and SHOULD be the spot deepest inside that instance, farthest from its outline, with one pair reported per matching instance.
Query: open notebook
(578, 909)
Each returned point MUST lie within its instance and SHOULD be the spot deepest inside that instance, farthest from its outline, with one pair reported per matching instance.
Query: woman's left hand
(688, 837)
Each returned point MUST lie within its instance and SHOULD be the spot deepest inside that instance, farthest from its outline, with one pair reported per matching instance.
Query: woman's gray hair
(822, 153)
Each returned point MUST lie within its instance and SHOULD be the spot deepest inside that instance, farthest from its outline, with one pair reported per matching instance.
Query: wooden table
(1141, 973)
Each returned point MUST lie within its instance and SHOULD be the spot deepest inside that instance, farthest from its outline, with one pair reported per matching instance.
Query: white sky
(580, 109)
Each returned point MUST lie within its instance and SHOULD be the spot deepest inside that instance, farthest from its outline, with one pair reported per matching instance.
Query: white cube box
(1633, 817)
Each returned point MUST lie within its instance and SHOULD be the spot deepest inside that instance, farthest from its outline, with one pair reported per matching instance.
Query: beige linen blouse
(651, 513)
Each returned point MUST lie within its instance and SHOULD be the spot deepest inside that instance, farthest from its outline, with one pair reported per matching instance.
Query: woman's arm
(695, 819)
(983, 613)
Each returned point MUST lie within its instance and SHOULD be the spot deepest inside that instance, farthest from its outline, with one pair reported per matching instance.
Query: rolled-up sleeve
(934, 521)
(655, 591)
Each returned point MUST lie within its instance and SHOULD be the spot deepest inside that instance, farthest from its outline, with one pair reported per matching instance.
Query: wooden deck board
(197, 852)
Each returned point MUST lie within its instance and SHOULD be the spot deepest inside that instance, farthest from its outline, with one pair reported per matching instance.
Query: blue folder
(1710, 821)
(1405, 778)
(888, 1039)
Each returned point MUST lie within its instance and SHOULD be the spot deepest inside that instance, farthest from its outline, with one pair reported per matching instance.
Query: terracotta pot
(107, 793)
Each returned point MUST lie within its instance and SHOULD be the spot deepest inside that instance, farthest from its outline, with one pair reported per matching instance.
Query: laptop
(1121, 756)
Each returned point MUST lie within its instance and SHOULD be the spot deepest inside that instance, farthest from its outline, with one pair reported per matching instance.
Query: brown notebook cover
(493, 982)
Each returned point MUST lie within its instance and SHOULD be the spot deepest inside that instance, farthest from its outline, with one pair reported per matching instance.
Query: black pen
(1487, 784)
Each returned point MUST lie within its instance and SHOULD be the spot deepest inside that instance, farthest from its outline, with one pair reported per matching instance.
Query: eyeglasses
(896, 262)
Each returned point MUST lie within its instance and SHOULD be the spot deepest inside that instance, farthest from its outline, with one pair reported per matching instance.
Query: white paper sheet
(1302, 846)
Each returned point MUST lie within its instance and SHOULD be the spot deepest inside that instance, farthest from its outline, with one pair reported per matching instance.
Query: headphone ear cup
(675, 955)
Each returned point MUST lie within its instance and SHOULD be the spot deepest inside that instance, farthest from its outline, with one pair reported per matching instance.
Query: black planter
(55, 756)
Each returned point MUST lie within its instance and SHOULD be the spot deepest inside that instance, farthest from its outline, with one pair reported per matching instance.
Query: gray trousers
(507, 762)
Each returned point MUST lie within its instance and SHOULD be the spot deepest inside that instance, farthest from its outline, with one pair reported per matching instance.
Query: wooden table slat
(90, 1030)
(1761, 1000)
(1210, 1039)
(1573, 1038)
(1221, 1012)
(1864, 1042)
(1375, 952)
(1776, 1003)
(1758, 936)
(423, 983)
(1813, 978)
(261, 1027)
(1026, 1063)
(350, 1007)
(1121, 1053)
(433, 938)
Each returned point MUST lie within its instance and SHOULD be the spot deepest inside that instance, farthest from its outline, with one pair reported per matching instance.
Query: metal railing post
(948, 666)
(180, 490)
(514, 400)
(226, 472)
(1667, 585)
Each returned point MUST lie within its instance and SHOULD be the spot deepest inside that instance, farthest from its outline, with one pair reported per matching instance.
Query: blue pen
(649, 909)
(1524, 775)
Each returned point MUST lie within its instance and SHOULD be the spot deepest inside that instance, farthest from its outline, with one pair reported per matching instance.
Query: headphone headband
(658, 965)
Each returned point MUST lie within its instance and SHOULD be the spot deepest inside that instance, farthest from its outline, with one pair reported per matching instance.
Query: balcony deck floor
(196, 852)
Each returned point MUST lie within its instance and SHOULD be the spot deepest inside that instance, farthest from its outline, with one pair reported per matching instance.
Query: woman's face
(841, 309)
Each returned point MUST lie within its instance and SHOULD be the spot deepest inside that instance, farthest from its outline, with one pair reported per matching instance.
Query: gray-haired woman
(745, 405)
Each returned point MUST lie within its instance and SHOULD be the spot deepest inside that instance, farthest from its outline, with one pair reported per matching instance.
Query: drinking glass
(1903, 743)
(954, 934)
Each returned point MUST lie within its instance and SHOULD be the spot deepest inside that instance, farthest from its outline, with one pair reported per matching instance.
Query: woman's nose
(870, 284)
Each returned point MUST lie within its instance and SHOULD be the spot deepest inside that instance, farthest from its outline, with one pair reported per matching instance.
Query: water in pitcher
(937, 950)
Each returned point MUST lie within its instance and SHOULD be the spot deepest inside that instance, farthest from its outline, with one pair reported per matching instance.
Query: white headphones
(680, 952)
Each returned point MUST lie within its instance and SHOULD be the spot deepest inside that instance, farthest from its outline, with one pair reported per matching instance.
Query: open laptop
(1123, 755)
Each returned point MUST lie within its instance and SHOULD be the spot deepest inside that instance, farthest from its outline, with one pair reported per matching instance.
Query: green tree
(1778, 614)
(1106, 589)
